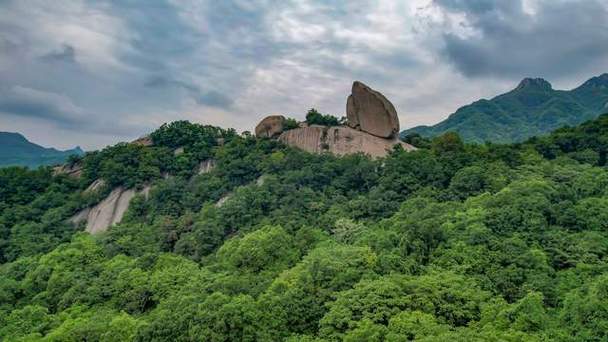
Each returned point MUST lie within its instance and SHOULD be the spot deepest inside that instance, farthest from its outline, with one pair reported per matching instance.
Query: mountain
(532, 108)
(230, 237)
(16, 150)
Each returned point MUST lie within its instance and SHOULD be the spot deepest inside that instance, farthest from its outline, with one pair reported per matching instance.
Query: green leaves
(457, 243)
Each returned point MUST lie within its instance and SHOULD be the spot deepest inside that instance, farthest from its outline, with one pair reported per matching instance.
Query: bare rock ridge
(112, 209)
(109, 211)
(339, 140)
(72, 170)
(372, 128)
(369, 111)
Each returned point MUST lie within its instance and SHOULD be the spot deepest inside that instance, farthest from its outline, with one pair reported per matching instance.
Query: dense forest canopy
(452, 242)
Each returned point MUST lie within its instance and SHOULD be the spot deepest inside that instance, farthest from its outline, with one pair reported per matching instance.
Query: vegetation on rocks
(313, 117)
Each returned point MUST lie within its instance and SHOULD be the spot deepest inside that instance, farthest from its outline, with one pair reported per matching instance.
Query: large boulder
(270, 127)
(340, 140)
(369, 111)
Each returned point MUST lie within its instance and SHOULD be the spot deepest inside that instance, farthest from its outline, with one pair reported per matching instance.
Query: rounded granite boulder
(369, 111)
(270, 127)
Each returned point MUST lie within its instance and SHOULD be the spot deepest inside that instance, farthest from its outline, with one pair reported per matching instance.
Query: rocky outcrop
(205, 166)
(72, 170)
(270, 127)
(372, 128)
(369, 111)
(109, 211)
(143, 141)
(95, 186)
(339, 140)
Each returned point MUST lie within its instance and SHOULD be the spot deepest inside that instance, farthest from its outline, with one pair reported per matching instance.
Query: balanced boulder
(270, 127)
(369, 111)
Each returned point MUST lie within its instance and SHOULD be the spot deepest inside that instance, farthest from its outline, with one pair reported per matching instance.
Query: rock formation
(109, 211)
(95, 186)
(205, 166)
(373, 128)
(146, 140)
(371, 112)
(339, 140)
(270, 127)
(73, 170)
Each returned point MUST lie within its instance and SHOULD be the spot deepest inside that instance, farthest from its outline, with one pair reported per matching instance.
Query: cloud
(116, 70)
(551, 38)
(35, 103)
(215, 99)
(66, 54)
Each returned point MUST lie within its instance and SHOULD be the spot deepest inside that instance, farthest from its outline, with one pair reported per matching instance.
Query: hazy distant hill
(533, 108)
(15, 149)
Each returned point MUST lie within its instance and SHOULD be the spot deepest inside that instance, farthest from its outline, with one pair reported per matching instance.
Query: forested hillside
(533, 108)
(451, 242)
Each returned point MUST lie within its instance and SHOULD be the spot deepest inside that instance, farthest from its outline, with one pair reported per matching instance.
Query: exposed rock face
(74, 170)
(373, 128)
(223, 200)
(339, 140)
(270, 127)
(143, 141)
(370, 111)
(107, 212)
(205, 166)
(95, 186)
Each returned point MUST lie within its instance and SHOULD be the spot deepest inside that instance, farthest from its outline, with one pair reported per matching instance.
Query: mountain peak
(597, 81)
(534, 83)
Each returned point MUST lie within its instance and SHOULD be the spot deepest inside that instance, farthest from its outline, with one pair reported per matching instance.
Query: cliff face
(107, 212)
(339, 140)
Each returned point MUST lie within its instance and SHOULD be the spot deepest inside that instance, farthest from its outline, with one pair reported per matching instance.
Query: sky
(94, 73)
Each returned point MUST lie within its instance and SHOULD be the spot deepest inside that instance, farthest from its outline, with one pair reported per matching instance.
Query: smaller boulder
(270, 127)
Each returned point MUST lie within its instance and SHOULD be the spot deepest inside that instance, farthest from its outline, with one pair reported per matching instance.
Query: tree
(313, 117)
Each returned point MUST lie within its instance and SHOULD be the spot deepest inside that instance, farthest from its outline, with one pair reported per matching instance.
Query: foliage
(290, 123)
(531, 109)
(313, 117)
(452, 242)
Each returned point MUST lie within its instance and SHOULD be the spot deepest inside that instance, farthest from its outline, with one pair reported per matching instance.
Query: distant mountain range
(533, 108)
(16, 150)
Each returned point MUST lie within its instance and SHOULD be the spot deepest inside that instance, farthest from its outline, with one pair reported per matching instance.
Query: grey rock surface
(270, 127)
(369, 111)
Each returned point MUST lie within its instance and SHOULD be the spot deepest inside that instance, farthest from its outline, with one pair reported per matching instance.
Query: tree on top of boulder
(313, 117)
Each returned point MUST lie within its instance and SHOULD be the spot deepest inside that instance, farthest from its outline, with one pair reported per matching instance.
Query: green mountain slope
(454, 242)
(533, 108)
(16, 150)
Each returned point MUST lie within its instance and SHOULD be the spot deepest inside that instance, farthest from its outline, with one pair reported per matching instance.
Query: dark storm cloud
(216, 99)
(67, 54)
(210, 98)
(559, 38)
(30, 102)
